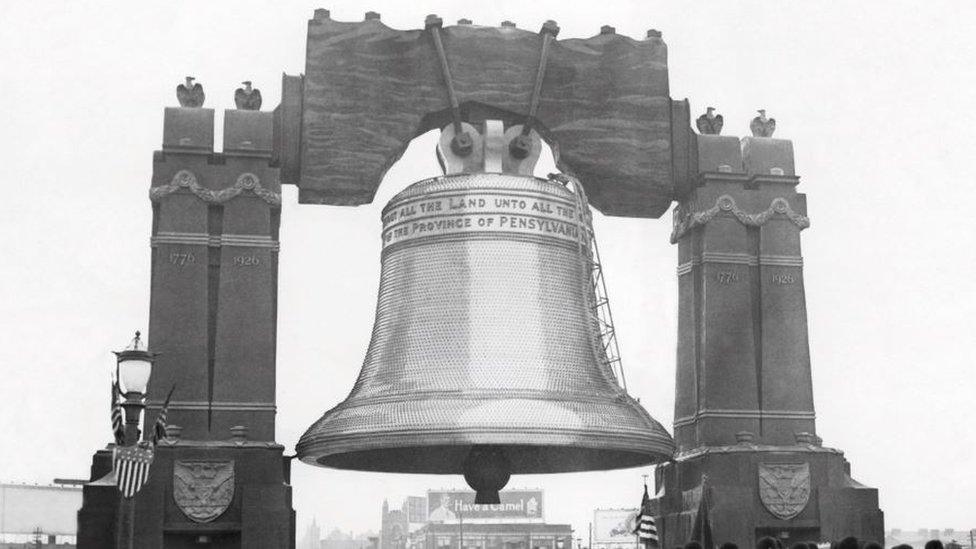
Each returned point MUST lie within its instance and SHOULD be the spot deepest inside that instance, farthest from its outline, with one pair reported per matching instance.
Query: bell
(486, 359)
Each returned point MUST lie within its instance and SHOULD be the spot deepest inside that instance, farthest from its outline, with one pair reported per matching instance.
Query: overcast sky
(877, 97)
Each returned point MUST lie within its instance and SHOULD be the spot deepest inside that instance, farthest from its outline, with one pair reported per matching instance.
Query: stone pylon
(744, 415)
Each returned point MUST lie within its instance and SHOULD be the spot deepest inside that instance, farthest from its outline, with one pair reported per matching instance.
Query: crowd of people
(846, 543)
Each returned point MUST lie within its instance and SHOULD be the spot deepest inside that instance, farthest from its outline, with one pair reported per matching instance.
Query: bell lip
(644, 439)
(448, 458)
(442, 451)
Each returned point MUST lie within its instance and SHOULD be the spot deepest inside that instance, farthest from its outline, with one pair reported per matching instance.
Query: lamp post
(461, 527)
(133, 367)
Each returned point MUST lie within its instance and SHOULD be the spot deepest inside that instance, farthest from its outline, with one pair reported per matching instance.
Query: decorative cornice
(263, 444)
(744, 414)
(248, 241)
(781, 260)
(729, 257)
(185, 179)
(685, 220)
(187, 239)
(754, 448)
(216, 405)
(765, 260)
(687, 266)
(214, 241)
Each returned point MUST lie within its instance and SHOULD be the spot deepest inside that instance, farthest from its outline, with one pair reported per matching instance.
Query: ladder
(599, 305)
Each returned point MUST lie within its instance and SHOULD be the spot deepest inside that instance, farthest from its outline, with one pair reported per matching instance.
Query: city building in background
(393, 527)
(41, 516)
(312, 537)
(614, 529)
(336, 539)
(448, 519)
(918, 537)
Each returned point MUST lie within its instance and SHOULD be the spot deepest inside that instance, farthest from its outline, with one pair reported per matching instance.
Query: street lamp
(133, 366)
(131, 462)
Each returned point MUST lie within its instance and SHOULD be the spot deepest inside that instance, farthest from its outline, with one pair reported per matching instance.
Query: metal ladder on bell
(600, 309)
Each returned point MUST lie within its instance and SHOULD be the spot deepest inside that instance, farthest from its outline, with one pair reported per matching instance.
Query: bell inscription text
(490, 212)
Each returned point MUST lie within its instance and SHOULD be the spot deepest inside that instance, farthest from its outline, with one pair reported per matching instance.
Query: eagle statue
(710, 123)
(248, 98)
(762, 126)
(190, 94)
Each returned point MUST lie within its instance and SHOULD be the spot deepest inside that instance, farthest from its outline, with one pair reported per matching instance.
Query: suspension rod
(434, 23)
(549, 31)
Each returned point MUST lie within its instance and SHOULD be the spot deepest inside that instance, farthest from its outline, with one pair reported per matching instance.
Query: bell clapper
(486, 470)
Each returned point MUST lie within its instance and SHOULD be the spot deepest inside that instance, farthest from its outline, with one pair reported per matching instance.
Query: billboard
(614, 525)
(415, 509)
(455, 505)
(26, 508)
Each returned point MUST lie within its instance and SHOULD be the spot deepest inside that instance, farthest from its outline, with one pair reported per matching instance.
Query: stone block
(188, 130)
(616, 137)
(768, 156)
(248, 132)
(288, 129)
(719, 153)
(820, 504)
(683, 149)
(257, 514)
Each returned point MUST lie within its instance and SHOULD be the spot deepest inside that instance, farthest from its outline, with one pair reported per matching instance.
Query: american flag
(131, 464)
(701, 531)
(118, 428)
(159, 428)
(646, 527)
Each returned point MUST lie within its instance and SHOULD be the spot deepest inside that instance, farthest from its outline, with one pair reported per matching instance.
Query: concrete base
(837, 505)
(259, 515)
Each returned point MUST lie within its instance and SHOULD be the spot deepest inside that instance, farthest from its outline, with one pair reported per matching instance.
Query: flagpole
(133, 406)
(640, 515)
(120, 526)
(125, 530)
(132, 521)
(132, 369)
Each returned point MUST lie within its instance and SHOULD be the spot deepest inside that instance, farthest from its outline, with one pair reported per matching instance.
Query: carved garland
(185, 179)
(685, 221)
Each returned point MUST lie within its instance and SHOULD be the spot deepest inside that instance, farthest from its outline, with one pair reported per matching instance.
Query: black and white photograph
(630, 274)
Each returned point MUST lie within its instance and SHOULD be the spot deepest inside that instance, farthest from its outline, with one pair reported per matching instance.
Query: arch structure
(749, 462)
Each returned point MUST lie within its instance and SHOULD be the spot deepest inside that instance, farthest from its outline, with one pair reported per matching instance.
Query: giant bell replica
(493, 351)
(487, 357)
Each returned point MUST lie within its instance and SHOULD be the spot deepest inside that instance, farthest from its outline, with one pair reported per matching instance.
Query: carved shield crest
(203, 489)
(784, 488)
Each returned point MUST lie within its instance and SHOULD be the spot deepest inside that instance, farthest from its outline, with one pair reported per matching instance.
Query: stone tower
(212, 323)
(744, 415)
(393, 528)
